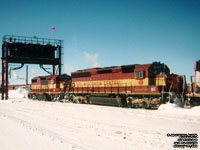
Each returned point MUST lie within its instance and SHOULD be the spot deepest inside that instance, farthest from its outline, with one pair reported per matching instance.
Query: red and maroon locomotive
(132, 85)
(145, 85)
(51, 87)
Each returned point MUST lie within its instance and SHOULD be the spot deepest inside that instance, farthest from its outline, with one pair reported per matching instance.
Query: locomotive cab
(167, 84)
(64, 82)
(158, 74)
(158, 68)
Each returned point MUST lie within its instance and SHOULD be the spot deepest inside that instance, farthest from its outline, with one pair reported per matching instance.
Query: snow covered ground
(38, 125)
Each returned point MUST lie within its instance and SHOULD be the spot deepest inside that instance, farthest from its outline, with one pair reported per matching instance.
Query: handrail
(32, 40)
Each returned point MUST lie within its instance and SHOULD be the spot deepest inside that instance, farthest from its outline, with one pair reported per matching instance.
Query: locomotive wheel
(129, 104)
(145, 105)
(29, 96)
(186, 104)
(33, 97)
(71, 98)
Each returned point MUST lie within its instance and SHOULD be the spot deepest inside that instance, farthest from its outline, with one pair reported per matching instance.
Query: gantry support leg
(59, 65)
(6, 88)
(54, 69)
(2, 80)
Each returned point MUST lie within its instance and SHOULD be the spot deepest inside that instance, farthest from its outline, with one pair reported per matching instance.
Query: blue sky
(109, 32)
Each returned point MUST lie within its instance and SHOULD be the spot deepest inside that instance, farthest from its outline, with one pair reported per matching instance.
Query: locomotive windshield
(158, 68)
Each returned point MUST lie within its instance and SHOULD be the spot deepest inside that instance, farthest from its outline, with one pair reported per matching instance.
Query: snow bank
(176, 109)
(18, 93)
(169, 107)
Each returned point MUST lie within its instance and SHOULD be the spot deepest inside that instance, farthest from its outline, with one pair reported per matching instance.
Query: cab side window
(139, 75)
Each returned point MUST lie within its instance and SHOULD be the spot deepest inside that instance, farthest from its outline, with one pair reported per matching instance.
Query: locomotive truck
(138, 85)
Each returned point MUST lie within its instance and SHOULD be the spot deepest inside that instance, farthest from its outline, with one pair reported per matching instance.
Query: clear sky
(109, 32)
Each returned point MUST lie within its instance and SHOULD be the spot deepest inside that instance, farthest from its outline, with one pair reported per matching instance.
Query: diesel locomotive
(138, 85)
(50, 88)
